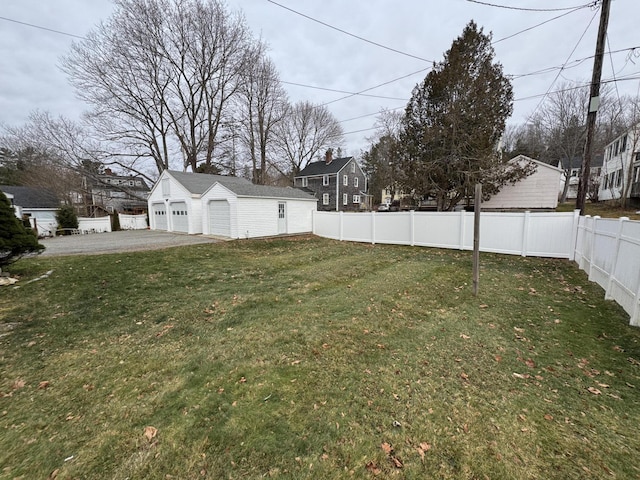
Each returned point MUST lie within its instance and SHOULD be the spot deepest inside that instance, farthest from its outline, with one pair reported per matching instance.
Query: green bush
(16, 241)
(67, 219)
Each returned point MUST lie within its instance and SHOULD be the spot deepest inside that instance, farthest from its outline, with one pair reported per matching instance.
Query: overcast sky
(309, 53)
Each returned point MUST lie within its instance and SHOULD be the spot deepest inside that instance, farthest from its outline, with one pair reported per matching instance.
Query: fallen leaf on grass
(633, 361)
(396, 461)
(150, 432)
(548, 417)
(44, 385)
(387, 448)
(18, 384)
(520, 375)
(530, 363)
(464, 337)
(373, 468)
(242, 380)
(464, 376)
(594, 390)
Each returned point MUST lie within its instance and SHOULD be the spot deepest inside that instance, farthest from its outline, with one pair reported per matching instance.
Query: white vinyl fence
(94, 225)
(609, 250)
(132, 222)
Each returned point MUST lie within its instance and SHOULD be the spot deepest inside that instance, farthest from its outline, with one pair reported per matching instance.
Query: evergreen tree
(67, 218)
(16, 241)
(453, 124)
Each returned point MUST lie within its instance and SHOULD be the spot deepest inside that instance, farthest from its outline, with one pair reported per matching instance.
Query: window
(345, 180)
(345, 199)
(325, 199)
(624, 144)
(356, 199)
(355, 181)
(305, 181)
(353, 167)
(165, 187)
(325, 180)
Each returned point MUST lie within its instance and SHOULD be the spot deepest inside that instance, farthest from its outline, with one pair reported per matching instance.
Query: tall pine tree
(453, 124)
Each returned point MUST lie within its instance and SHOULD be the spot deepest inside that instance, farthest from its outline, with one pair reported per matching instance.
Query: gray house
(338, 184)
(227, 206)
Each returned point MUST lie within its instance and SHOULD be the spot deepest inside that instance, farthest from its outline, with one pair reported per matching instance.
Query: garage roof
(199, 183)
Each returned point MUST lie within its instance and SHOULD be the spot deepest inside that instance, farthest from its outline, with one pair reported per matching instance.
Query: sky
(314, 44)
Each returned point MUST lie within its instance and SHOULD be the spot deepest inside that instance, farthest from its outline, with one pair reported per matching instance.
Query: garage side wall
(257, 217)
(300, 216)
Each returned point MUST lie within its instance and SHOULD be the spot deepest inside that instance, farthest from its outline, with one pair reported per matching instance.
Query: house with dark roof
(38, 205)
(114, 193)
(339, 184)
(225, 206)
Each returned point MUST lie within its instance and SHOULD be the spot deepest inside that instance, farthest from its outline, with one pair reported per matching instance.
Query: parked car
(384, 207)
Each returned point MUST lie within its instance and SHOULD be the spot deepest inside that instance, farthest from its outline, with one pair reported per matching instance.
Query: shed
(538, 191)
(233, 207)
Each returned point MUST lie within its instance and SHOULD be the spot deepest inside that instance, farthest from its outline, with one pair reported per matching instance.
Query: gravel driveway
(124, 241)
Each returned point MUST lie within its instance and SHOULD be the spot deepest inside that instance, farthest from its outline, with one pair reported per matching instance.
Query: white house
(620, 174)
(536, 191)
(198, 203)
(39, 205)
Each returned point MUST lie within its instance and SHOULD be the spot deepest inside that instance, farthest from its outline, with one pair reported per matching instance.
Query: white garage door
(160, 216)
(219, 218)
(179, 217)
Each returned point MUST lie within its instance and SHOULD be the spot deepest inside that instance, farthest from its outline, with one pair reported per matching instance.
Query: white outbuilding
(233, 207)
(538, 191)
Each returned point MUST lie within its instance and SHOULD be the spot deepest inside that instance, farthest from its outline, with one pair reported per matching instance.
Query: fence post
(462, 223)
(593, 245)
(525, 232)
(635, 313)
(616, 251)
(412, 219)
(313, 222)
(574, 235)
(340, 227)
(373, 227)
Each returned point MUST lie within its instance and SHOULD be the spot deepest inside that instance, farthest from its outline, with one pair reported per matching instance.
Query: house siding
(336, 188)
(618, 155)
(537, 191)
(252, 225)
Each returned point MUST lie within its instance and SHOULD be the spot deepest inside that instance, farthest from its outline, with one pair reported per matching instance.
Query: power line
(42, 28)
(590, 4)
(351, 34)
(370, 114)
(376, 86)
(564, 65)
(535, 26)
(341, 91)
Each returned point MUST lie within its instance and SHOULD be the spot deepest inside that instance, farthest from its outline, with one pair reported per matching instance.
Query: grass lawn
(309, 358)
(602, 209)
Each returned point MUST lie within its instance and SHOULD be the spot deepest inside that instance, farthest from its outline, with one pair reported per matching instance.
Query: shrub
(67, 218)
(16, 240)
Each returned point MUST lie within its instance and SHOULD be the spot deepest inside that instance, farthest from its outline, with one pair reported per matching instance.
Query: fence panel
(132, 222)
(94, 225)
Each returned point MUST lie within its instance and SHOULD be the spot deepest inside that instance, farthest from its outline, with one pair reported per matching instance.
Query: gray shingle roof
(321, 167)
(199, 183)
(28, 197)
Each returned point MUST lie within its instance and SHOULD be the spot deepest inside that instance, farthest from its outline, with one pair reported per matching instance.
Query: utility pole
(594, 102)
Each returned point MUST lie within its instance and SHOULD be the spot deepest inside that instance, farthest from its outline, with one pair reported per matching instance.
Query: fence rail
(608, 250)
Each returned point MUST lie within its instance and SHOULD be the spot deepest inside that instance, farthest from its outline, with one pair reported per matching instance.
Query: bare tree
(263, 104)
(305, 130)
(159, 74)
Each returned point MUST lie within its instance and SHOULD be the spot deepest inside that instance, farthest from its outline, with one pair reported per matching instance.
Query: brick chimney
(328, 156)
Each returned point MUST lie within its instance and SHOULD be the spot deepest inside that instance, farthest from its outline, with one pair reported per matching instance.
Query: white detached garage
(227, 206)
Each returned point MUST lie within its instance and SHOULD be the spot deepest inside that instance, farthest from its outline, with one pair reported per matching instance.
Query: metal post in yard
(476, 238)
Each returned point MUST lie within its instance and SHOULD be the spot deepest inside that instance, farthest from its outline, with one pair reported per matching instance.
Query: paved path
(113, 242)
